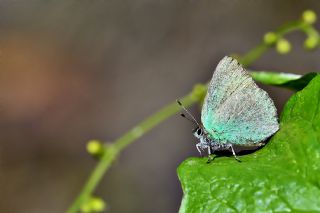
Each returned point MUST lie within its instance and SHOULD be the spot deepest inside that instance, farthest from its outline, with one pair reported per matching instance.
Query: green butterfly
(235, 111)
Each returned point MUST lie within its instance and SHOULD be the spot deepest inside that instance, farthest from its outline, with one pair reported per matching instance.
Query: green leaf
(287, 80)
(300, 83)
(283, 176)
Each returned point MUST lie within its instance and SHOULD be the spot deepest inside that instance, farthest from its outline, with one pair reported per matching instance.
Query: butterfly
(235, 112)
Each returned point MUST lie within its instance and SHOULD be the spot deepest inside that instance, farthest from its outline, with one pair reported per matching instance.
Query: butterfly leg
(209, 150)
(210, 158)
(198, 148)
(234, 153)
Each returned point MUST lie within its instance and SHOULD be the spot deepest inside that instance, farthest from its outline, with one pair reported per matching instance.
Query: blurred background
(71, 71)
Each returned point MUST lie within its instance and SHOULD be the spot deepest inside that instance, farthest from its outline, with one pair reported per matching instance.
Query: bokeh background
(71, 71)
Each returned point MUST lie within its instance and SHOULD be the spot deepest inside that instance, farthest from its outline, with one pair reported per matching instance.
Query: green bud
(93, 204)
(85, 208)
(309, 16)
(283, 46)
(311, 42)
(270, 38)
(94, 147)
(97, 204)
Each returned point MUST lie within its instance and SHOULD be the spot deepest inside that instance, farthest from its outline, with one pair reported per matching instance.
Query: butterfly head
(198, 132)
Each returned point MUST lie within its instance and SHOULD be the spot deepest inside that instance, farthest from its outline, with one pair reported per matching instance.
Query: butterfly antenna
(189, 119)
(192, 119)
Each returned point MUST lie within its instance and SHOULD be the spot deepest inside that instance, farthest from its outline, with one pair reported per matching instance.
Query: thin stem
(152, 121)
(105, 162)
(113, 150)
(261, 48)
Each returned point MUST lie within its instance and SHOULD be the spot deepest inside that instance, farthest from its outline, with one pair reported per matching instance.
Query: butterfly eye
(199, 131)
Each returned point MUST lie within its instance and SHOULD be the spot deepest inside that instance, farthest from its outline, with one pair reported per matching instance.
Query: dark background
(71, 71)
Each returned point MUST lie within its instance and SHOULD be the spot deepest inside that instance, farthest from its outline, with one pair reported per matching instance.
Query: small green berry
(283, 46)
(94, 147)
(309, 16)
(93, 204)
(97, 204)
(85, 208)
(270, 38)
(311, 42)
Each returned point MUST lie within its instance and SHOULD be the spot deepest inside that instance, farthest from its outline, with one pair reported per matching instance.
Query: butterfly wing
(235, 109)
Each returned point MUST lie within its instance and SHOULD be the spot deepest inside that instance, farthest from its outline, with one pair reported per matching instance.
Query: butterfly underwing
(235, 111)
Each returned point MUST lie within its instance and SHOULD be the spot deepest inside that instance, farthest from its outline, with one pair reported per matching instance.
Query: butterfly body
(209, 144)
(235, 111)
